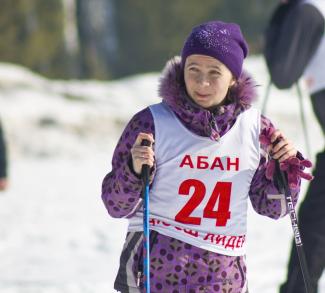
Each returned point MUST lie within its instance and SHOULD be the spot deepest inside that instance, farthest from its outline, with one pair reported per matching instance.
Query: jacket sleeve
(265, 196)
(3, 155)
(294, 44)
(121, 188)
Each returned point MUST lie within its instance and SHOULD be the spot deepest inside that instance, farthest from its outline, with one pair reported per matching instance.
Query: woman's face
(207, 80)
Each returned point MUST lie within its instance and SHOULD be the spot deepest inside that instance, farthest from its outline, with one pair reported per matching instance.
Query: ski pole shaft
(302, 114)
(284, 187)
(146, 235)
(303, 120)
(266, 98)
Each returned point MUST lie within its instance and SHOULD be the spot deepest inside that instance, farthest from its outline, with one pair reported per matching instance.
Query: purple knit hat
(220, 40)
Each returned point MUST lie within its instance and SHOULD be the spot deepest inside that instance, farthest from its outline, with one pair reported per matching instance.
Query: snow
(55, 234)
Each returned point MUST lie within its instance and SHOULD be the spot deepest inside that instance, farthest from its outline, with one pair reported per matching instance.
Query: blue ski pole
(146, 235)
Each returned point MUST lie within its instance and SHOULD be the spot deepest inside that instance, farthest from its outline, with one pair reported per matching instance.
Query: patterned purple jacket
(121, 188)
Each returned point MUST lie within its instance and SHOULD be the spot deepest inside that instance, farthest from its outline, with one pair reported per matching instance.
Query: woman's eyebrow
(209, 66)
(215, 67)
(192, 63)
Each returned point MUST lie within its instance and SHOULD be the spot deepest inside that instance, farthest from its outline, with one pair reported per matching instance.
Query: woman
(208, 155)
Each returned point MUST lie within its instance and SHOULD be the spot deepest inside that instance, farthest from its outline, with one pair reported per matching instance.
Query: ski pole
(303, 120)
(284, 187)
(267, 94)
(146, 235)
(302, 114)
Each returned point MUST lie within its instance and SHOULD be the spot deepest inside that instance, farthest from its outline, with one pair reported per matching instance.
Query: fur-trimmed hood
(201, 121)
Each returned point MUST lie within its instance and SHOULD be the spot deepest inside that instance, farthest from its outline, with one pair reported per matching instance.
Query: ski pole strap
(283, 185)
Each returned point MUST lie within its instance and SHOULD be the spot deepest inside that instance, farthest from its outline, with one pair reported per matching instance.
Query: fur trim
(199, 120)
(172, 86)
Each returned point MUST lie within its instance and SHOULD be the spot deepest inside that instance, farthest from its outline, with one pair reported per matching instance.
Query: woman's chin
(204, 104)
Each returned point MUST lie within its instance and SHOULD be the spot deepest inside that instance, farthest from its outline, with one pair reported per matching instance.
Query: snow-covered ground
(55, 234)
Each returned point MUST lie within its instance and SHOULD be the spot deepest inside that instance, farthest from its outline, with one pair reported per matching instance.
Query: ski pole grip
(282, 180)
(281, 177)
(145, 167)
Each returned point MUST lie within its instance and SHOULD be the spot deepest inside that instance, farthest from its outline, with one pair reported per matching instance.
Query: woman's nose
(203, 81)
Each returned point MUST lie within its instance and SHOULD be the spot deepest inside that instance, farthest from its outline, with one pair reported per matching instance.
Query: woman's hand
(142, 155)
(281, 148)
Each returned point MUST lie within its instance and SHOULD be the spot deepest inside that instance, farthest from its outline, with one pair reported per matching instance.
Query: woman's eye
(193, 69)
(214, 73)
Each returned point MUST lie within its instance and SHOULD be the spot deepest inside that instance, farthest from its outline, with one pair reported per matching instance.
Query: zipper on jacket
(153, 236)
(213, 122)
(214, 129)
(139, 276)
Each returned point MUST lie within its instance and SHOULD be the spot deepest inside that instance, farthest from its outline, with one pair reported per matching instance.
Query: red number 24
(222, 190)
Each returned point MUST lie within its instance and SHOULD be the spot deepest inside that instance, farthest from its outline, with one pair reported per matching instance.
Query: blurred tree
(97, 40)
(151, 31)
(113, 38)
(251, 15)
(32, 34)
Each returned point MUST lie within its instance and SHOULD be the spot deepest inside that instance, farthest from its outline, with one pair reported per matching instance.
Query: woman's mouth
(201, 96)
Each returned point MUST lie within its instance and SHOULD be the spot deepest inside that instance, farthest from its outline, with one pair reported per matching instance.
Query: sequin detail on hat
(211, 38)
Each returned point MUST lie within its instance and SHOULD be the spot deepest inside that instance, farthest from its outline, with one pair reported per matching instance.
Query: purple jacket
(121, 189)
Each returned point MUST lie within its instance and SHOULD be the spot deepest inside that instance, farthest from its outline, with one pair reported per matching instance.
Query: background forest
(108, 39)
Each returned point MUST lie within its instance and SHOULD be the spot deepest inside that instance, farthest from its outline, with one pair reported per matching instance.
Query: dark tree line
(114, 37)
(32, 34)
